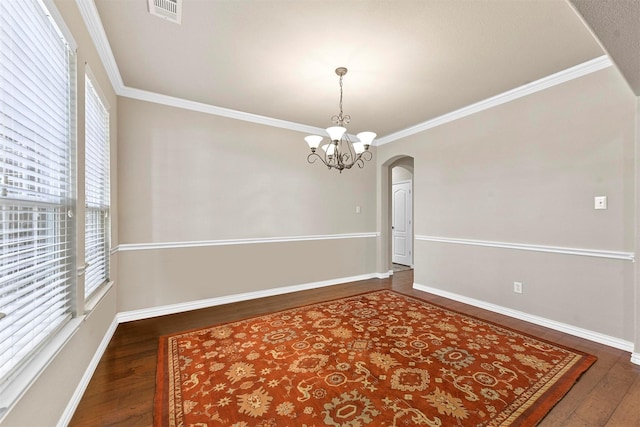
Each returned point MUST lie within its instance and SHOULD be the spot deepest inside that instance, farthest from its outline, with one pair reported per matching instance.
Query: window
(96, 191)
(36, 183)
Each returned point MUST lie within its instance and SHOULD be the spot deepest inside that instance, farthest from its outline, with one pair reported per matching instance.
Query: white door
(401, 232)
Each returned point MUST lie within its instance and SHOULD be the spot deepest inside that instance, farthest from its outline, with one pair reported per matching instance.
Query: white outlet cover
(600, 202)
(517, 287)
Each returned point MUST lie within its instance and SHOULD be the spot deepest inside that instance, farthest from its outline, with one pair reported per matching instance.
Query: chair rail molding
(625, 256)
(245, 241)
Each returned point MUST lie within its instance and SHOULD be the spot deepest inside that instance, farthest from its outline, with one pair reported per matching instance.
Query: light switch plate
(600, 202)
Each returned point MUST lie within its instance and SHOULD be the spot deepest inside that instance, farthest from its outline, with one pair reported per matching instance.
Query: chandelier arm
(367, 155)
(341, 161)
(346, 159)
(352, 152)
(329, 161)
(311, 158)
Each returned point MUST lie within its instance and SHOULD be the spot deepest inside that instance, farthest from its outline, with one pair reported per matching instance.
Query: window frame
(22, 374)
(103, 208)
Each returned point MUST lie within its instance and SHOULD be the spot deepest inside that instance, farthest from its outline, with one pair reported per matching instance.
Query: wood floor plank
(122, 388)
(581, 391)
(601, 403)
(627, 412)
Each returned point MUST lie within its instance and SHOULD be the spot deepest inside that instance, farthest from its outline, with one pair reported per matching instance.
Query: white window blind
(96, 190)
(36, 254)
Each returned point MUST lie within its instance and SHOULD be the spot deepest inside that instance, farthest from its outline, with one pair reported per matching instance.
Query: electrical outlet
(517, 287)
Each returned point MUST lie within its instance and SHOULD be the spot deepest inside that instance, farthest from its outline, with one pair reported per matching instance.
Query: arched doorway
(402, 214)
(396, 215)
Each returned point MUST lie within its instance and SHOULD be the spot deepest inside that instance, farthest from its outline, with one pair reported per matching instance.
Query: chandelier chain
(341, 119)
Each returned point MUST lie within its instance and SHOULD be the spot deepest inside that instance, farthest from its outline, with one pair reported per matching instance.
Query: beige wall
(160, 277)
(191, 177)
(526, 172)
(46, 399)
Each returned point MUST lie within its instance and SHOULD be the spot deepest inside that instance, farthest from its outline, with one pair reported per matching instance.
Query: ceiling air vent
(171, 10)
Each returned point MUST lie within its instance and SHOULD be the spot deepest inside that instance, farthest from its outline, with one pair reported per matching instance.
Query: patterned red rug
(378, 359)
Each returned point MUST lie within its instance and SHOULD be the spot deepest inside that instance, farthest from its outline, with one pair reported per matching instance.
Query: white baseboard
(635, 358)
(548, 323)
(128, 316)
(383, 275)
(65, 419)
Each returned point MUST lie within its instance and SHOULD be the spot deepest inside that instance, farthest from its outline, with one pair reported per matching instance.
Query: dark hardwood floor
(122, 388)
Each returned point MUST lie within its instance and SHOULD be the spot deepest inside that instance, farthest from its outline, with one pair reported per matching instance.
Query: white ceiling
(409, 61)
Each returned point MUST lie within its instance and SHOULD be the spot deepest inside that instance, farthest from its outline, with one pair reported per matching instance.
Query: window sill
(16, 388)
(97, 296)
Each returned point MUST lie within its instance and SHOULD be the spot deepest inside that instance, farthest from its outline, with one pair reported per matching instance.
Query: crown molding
(93, 23)
(92, 20)
(186, 104)
(560, 77)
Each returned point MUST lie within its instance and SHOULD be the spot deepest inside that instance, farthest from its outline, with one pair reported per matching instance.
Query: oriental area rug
(376, 359)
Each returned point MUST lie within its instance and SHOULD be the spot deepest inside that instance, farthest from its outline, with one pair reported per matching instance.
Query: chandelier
(341, 153)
